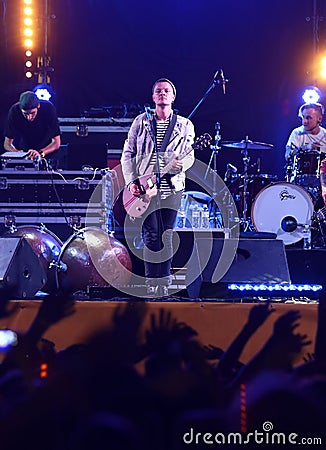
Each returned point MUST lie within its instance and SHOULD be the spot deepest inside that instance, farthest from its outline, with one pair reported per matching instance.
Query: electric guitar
(137, 206)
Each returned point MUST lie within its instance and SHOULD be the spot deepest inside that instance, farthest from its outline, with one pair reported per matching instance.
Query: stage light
(28, 11)
(43, 91)
(280, 290)
(323, 67)
(28, 43)
(28, 32)
(311, 95)
(275, 287)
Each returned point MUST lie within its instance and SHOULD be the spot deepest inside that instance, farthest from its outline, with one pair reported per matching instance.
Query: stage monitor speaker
(21, 272)
(233, 261)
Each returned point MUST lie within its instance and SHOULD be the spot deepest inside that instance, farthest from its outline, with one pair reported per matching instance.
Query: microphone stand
(215, 149)
(158, 185)
(217, 79)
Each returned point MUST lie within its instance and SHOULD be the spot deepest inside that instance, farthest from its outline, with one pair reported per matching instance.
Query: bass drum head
(282, 208)
(46, 245)
(91, 257)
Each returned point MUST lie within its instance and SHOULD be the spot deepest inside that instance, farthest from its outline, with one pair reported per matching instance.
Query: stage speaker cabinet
(92, 141)
(21, 272)
(223, 261)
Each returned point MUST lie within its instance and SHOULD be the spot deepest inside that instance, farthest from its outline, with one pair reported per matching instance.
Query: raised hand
(165, 329)
(287, 323)
(54, 308)
(258, 314)
(285, 343)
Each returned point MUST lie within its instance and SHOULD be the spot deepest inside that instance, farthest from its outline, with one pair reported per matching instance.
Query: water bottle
(205, 217)
(306, 237)
(181, 217)
(195, 216)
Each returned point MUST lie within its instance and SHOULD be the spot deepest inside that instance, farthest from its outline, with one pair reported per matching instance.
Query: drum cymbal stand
(246, 159)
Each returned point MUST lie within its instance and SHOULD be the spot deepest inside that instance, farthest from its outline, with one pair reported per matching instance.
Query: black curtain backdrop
(107, 52)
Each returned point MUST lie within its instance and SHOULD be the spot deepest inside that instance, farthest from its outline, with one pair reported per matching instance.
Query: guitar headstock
(202, 141)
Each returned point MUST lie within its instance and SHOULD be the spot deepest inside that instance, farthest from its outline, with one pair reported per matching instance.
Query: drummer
(310, 136)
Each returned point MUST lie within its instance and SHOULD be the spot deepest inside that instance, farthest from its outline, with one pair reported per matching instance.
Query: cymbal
(246, 144)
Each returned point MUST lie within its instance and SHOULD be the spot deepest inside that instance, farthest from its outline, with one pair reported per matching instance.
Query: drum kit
(265, 204)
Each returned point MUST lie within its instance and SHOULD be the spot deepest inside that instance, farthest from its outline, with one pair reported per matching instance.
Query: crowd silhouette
(94, 395)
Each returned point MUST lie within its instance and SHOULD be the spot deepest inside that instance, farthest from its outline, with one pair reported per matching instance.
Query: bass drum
(46, 245)
(91, 257)
(282, 208)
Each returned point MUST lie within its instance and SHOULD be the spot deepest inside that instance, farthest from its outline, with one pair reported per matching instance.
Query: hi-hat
(246, 144)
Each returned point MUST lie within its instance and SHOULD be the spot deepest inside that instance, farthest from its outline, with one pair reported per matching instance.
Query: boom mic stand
(221, 80)
(217, 79)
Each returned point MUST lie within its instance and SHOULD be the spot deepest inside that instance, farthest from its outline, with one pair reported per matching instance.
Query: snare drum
(282, 208)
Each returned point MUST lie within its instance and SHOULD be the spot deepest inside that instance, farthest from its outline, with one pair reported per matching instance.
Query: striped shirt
(161, 127)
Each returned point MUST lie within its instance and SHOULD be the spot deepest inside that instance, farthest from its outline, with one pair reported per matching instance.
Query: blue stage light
(311, 95)
(43, 91)
(275, 287)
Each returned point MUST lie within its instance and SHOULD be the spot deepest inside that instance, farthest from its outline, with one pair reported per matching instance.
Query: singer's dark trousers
(157, 235)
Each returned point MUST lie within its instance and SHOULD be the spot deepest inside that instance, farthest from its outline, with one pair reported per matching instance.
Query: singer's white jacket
(139, 146)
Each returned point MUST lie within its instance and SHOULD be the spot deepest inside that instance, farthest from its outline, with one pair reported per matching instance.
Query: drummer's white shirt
(300, 139)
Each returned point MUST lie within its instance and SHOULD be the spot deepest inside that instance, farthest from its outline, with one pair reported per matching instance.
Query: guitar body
(137, 206)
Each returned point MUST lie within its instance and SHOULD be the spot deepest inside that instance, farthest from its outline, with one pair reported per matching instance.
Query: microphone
(231, 168)
(149, 112)
(222, 81)
(258, 165)
(216, 76)
(289, 224)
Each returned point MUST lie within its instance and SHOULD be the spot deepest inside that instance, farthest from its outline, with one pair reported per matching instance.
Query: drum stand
(246, 223)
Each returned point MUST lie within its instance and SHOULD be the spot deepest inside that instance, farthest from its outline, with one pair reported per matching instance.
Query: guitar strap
(168, 132)
(165, 141)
